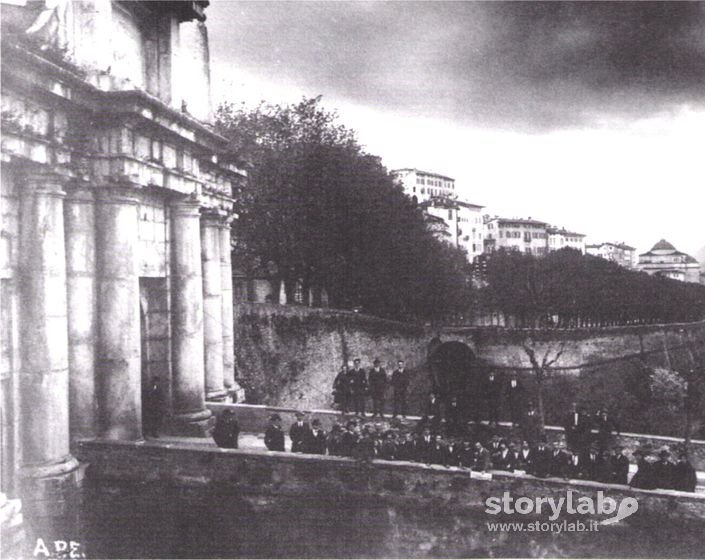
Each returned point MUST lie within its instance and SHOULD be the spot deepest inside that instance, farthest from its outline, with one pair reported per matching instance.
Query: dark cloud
(532, 65)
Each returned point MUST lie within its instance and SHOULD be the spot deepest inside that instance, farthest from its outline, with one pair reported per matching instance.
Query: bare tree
(541, 368)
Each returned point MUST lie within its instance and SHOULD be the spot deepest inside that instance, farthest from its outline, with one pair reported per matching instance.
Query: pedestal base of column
(51, 496)
(217, 396)
(191, 424)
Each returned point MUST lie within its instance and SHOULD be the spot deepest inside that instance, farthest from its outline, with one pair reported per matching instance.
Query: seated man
(684, 477)
(227, 430)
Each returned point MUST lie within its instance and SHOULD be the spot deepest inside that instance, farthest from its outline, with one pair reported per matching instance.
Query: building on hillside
(423, 185)
(518, 234)
(463, 223)
(117, 200)
(665, 260)
(562, 238)
(620, 253)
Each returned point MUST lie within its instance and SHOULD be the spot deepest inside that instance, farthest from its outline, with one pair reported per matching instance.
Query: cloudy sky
(589, 115)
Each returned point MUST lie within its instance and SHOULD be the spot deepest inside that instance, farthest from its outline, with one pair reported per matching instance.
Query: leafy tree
(318, 208)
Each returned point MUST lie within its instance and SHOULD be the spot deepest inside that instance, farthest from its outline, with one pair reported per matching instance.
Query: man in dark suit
(299, 433)
(227, 430)
(502, 459)
(400, 385)
(591, 464)
(358, 387)
(274, 435)
(560, 461)
(515, 397)
(684, 476)
(341, 389)
(526, 457)
(493, 392)
(426, 448)
(663, 470)
(541, 464)
(531, 424)
(481, 460)
(349, 439)
(577, 429)
(377, 379)
(606, 427)
(316, 441)
(620, 466)
(495, 444)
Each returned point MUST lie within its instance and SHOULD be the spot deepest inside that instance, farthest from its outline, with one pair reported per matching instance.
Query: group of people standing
(352, 388)
(587, 455)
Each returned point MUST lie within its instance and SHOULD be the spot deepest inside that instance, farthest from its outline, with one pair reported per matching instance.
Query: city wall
(243, 503)
(290, 355)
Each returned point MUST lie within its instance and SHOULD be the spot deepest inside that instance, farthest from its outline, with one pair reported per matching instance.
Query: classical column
(212, 307)
(118, 350)
(44, 379)
(226, 300)
(188, 373)
(79, 219)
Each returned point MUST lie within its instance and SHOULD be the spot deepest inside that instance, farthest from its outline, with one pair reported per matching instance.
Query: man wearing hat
(358, 387)
(317, 440)
(299, 433)
(620, 466)
(663, 469)
(378, 385)
(274, 435)
(400, 384)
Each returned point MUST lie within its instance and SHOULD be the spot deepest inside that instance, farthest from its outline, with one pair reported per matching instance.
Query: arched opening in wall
(454, 375)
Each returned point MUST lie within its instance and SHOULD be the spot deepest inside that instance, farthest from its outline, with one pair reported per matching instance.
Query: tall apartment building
(463, 220)
(621, 253)
(423, 185)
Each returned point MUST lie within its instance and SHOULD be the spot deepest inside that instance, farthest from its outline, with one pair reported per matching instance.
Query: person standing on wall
(358, 387)
(299, 433)
(493, 392)
(515, 397)
(378, 386)
(274, 435)
(341, 389)
(400, 385)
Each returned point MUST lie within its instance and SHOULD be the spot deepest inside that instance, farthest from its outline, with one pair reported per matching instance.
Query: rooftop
(422, 172)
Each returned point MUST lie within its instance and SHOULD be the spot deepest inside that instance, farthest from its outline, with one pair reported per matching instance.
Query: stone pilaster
(226, 299)
(118, 350)
(212, 306)
(79, 220)
(47, 465)
(188, 370)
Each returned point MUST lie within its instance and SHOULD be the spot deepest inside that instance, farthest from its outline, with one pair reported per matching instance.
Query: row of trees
(320, 210)
(568, 289)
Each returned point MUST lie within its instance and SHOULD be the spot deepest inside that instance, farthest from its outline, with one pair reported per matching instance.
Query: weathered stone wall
(291, 355)
(654, 344)
(156, 498)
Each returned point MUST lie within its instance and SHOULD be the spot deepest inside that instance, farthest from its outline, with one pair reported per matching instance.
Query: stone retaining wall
(268, 504)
